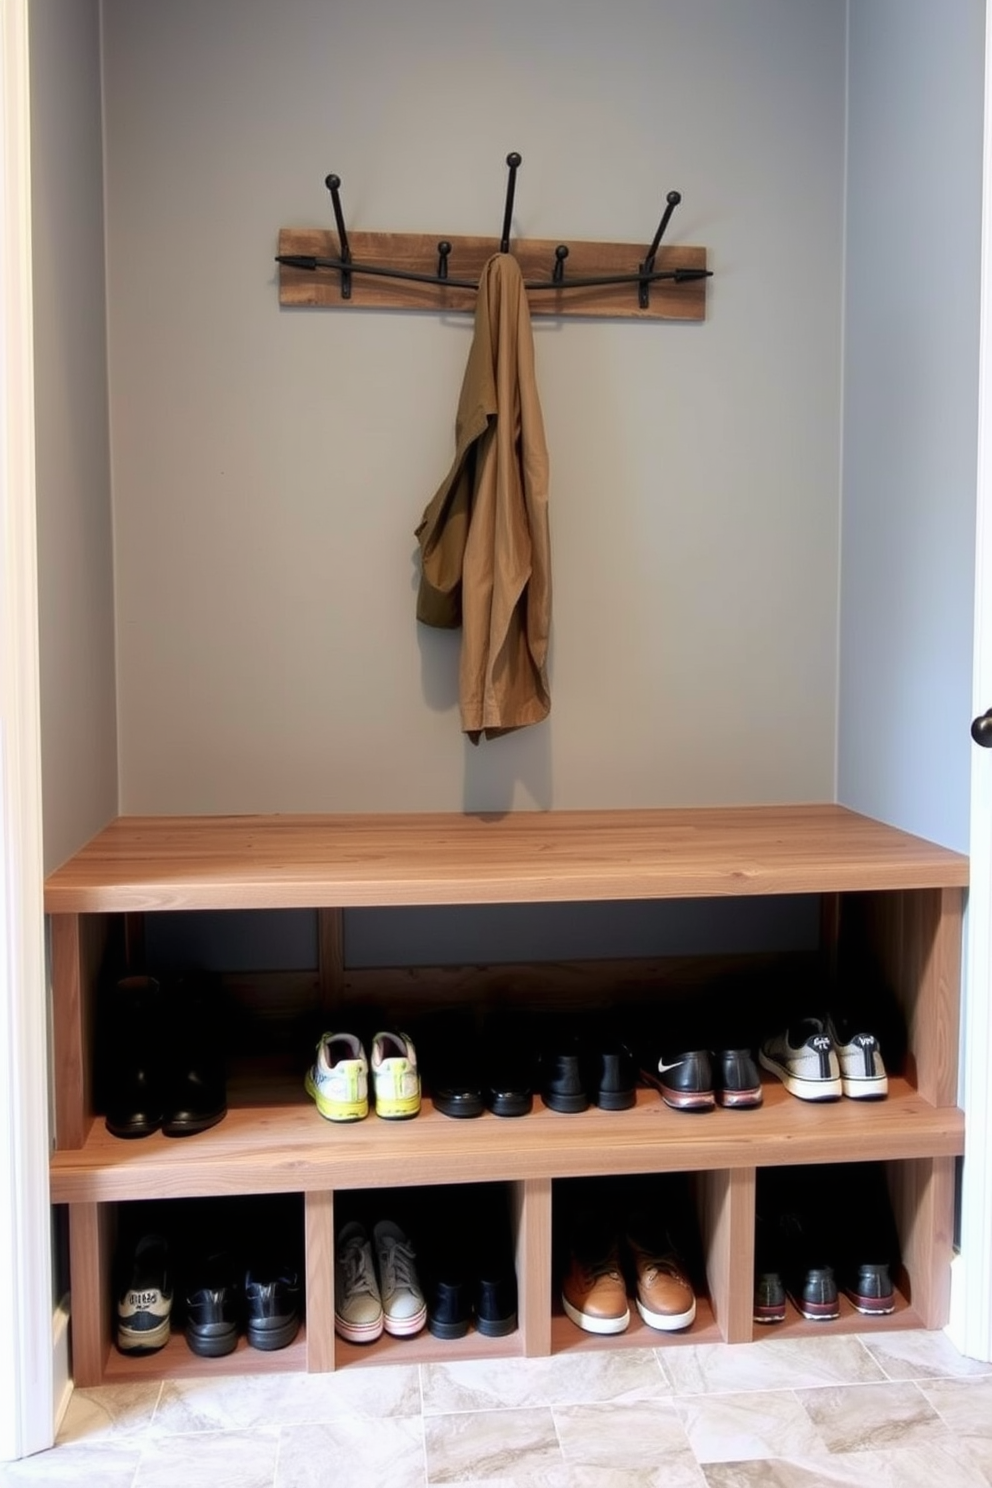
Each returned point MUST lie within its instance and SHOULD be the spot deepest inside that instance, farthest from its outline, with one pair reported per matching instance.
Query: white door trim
(26, 1339)
(971, 1296)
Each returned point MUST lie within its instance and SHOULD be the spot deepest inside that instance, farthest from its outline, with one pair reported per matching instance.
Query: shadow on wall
(495, 769)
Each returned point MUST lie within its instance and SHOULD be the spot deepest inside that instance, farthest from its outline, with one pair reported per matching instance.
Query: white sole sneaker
(667, 1322)
(595, 1324)
(811, 1090)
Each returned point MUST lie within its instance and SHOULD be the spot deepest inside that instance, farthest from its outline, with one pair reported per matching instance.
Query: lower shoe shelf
(723, 1204)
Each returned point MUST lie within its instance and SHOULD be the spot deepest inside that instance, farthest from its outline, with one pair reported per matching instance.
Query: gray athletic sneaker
(859, 1053)
(403, 1304)
(805, 1060)
(357, 1304)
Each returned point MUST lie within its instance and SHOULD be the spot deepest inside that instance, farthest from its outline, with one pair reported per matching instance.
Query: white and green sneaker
(338, 1079)
(395, 1077)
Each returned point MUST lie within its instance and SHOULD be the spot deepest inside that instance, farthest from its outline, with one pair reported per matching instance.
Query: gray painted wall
(76, 578)
(270, 466)
(910, 412)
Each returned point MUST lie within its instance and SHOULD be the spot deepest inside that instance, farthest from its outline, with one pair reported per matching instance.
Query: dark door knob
(981, 729)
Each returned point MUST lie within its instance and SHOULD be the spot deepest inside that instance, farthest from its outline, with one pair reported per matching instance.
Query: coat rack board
(418, 271)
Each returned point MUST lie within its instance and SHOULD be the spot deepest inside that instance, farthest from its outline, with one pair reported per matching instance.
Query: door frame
(971, 1292)
(26, 1344)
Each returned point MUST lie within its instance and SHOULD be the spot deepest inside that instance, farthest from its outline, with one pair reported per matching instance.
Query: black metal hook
(443, 249)
(513, 160)
(333, 184)
(647, 267)
(561, 253)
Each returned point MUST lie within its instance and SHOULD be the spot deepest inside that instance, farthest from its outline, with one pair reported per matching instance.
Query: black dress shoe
(564, 1084)
(133, 1072)
(614, 1077)
(447, 1044)
(196, 1086)
(213, 1306)
(509, 1082)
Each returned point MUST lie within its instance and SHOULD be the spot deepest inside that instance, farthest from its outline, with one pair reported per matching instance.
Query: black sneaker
(213, 1307)
(798, 1238)
(685, 1079)
(868, 1251)
(273, 1297)
(769, 1287)
(144, 1298)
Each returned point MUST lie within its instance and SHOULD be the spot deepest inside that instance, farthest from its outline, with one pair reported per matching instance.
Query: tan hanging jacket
(484, 539)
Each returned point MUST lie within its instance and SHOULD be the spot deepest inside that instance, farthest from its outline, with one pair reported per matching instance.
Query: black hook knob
(513, 160)
(333, 183)
(981, 729)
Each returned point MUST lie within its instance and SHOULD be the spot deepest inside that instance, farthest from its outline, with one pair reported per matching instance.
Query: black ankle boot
(195, 1088)
(133, 1069)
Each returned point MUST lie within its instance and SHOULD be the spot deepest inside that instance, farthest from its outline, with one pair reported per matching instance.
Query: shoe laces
(356, 1262)
(396, 1262)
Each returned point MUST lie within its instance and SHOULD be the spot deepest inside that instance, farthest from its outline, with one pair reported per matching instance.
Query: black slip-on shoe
(736, 1079)
(509, 1081)
(451, 1064)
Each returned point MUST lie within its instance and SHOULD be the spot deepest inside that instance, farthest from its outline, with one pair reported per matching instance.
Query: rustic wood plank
(284, 862)
(418, 253)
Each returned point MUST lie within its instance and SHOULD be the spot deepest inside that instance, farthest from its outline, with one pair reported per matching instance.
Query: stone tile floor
(888, 1411)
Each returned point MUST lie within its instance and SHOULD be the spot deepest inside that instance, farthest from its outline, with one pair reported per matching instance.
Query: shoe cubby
(254, 1237)
(463, 1255)
(888, 908)
(613, 1240)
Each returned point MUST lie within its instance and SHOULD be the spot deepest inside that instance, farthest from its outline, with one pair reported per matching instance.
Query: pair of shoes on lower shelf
(700, 1079)
(373, 1296)
(221, 1301)
(602, 1262)
(469, 1267)
(819, 1232)
(338, 1079)
(164, 1064)
(265, 1302)
(820, 1059)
